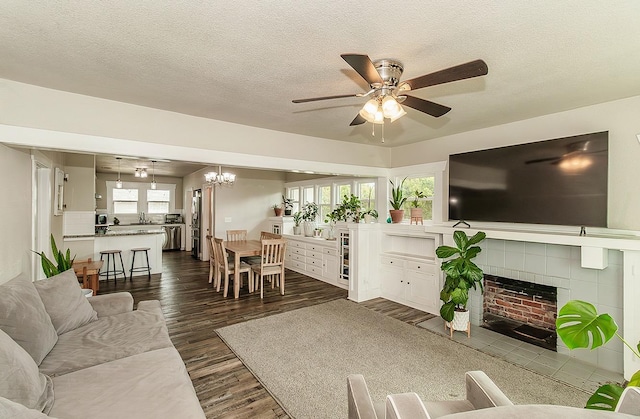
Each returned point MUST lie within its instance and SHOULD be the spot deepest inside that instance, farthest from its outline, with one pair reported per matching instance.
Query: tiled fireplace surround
(559, 266)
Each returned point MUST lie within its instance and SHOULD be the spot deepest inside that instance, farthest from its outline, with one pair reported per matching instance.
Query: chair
(213, 267)
(271, 263)
(226, 268)
(111, 256)
(481, 393)
(265, 235)
(236, 235)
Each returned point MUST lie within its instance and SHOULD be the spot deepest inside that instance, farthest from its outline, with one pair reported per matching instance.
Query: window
(294, 195)
(324, 204)
(307, 194)
(426, 185)
(343, 189)
(158, 201)
(125, 201)
(367, 195)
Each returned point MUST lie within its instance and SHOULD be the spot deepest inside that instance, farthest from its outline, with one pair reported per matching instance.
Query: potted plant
(288, 205)
(277, 209)
(309, 215)
(63, 261)
(416, 211)
(370, 215)
(297, 219)
(461, 274)
(580, 326)
(397, 201)
(331, 220)
(350, 209)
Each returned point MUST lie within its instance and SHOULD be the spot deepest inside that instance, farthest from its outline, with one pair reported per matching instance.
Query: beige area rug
(303, 358)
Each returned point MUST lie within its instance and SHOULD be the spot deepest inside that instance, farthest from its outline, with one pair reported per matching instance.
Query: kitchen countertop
(131, 232)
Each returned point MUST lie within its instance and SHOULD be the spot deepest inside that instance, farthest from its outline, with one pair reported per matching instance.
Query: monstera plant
(580, 326)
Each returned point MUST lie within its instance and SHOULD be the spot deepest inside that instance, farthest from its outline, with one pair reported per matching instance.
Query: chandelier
(141, 172)
(224, 179)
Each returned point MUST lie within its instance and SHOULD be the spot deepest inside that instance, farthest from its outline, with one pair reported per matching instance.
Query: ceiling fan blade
(431, 108)
(313, 99)
(358, 120)
(463, 71)
(363, 65)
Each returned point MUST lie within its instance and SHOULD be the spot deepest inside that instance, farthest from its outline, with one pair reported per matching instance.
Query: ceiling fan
(387, 91)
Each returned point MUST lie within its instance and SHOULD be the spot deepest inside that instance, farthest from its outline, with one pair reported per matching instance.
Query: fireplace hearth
(521, 310)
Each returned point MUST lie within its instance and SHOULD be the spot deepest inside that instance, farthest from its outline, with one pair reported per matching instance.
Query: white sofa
(67, 356)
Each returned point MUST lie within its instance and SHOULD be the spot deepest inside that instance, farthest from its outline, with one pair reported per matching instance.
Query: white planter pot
(297, 230)
(368, 219)
(309, 226)
(460, 322)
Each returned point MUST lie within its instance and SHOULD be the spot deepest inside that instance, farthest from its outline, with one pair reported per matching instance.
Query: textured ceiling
(245, 61)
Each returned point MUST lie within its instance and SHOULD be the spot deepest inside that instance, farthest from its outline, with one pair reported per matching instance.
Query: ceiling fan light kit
(383, 77)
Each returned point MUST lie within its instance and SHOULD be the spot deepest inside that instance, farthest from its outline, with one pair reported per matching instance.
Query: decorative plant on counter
(63, 261)
(309, 215)
(297, 219)
(580, 326)
(397, 201)
(288, 205)
(460, 274)
(369, 215)
(277, 209)
(415, 203)
(349, 209)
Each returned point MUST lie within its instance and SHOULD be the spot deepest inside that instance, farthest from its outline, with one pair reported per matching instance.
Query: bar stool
(111, 255)
(140, 268)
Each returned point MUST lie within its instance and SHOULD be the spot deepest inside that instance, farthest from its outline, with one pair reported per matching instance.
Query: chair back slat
(265, 235)
(273, 251)
(236, 235)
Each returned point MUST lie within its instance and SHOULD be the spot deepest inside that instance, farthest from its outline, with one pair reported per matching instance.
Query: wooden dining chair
(236, 235)
(271, 263)
(225, 268)
(213, 267)
(265, 235)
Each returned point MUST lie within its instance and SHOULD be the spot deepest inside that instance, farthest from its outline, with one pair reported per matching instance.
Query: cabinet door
(392, 283)
(423, 290)
(330, 268)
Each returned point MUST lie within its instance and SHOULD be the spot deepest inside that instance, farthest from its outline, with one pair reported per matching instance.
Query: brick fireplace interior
(521, 310)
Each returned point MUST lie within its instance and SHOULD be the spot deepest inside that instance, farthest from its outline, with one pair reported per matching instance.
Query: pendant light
(154, 185)
(119, 181)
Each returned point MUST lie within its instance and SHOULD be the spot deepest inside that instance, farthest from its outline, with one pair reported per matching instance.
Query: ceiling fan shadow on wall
(387, 92)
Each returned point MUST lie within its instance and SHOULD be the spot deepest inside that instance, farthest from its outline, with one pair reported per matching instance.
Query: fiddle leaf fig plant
(580, 326)
(460, 272)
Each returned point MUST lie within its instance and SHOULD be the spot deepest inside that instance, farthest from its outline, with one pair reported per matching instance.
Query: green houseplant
(63, 260)
(397, 201)
(309, 215)
(416, 211)
(288, 205)
(580, 326)
(349, 209)
(370, 215)
(461, 274)
(297, 219)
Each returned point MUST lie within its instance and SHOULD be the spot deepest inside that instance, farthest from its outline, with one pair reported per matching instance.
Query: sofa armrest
(629, 401)
(482, 392)
(405, 406)
(111, 304)
(360, 403)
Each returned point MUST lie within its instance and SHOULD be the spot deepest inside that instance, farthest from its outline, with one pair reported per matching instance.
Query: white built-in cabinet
(316, 258)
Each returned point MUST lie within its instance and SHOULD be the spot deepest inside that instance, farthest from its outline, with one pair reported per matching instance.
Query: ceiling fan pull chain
(383, 131)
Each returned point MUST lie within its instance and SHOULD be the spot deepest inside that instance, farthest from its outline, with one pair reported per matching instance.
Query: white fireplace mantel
(594, 250)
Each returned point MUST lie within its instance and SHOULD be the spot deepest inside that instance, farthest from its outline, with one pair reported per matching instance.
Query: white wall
(619, 117)
(15, 213)
(79, 189)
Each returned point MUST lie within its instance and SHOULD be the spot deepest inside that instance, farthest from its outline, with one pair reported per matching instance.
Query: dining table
(88, 270)
(239, 249)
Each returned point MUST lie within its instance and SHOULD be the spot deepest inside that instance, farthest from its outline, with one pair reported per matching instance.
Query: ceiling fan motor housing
(390, 71)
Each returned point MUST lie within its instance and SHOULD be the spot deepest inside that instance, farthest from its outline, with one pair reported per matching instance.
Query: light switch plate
(227, 219)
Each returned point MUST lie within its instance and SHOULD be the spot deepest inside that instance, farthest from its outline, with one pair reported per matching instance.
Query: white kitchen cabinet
(313, 257)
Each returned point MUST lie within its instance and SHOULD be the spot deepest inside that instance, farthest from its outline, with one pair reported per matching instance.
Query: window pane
(324, 195)
(410, 189)
(367, 195)
(158, 195)
(158, 208)
(123, 207)
(307, 195)
(342, 191)
(125, 194)
(294, 195)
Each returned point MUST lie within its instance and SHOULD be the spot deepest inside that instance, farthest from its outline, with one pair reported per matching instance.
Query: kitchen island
(126, 240)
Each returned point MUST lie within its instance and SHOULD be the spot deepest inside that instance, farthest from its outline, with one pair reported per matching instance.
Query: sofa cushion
(153, 384)
(107, 339)
(9, 409)
(65, 302)
(20, 380)
(24, 318)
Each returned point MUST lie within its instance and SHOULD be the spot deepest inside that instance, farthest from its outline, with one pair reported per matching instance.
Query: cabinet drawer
(330, 251)
(299, 258)
(313, 262)
(298, 265)
(421, 267)
(317, 270)
(314, 254)
(295, 243)
(297, 251)
(390, 261)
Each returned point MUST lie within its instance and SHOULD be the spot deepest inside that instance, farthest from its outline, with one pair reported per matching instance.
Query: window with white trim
(412, 185)
(125, 201)
(158, 201)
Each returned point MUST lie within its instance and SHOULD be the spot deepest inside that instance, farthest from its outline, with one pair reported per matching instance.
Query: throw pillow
(9, 409)
(20, 380)
(24, 318)
(65, 302)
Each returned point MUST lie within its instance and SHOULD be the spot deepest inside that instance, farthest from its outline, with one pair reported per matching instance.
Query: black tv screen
(561, 182)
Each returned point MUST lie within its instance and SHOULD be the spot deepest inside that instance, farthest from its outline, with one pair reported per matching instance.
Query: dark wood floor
(193, 311)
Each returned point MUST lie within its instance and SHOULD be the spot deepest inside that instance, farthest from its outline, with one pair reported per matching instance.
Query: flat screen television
(560, 182)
